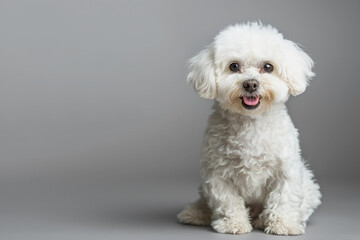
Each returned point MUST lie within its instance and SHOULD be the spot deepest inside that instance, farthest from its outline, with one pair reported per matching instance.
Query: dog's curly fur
(252, 171)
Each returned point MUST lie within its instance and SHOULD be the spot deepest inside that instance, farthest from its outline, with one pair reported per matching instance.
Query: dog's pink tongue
(251, 101)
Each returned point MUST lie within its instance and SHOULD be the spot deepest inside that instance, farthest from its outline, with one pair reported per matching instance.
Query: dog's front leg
(281, 214)
(229, 214)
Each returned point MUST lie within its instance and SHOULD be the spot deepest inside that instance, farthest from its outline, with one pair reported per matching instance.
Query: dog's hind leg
(312, 195)
(196, 213)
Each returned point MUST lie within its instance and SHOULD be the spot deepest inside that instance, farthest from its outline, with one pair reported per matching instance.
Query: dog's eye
(268, 68)
(234, 67)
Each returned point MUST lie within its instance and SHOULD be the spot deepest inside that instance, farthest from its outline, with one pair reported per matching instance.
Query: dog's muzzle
(251, 100)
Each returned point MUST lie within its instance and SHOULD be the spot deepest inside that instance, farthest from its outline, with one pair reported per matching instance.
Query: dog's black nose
(251, 85)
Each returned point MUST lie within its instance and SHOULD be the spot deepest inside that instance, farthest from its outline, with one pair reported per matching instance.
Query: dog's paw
(280, 227)
(194, 216)
(233, 226)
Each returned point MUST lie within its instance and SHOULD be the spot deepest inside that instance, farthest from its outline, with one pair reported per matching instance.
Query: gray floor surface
(80, 208)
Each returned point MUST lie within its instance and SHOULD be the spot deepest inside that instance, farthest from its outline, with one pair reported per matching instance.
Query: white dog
(251, 168)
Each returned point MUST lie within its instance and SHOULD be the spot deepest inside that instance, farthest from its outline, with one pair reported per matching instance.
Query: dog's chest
(253, 159)
(249, 153)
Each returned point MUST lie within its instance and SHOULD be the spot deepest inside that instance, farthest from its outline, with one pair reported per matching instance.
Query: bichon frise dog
(251, 168)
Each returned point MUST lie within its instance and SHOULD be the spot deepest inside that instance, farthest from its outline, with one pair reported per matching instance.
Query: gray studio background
(101, 136)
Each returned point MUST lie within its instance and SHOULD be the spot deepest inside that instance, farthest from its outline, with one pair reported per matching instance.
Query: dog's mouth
(250, 102)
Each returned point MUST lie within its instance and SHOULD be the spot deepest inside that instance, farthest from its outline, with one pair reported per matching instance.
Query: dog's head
(249, 67)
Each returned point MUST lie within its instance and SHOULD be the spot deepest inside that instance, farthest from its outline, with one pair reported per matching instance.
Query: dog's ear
(298, 69)
(202, 73)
